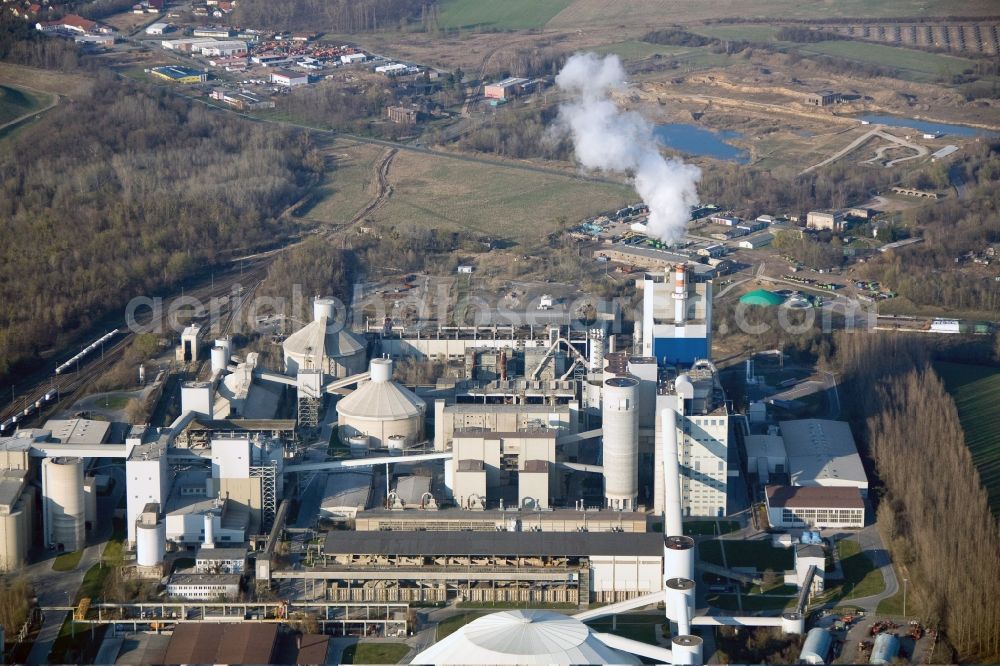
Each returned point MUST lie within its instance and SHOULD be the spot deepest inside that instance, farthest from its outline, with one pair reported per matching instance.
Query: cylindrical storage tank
(621, 443)
(596, 352)
(395, 444)
(686, 650)
(678, 557)
(679, 602)
(793, 623)
(358, 445)
(885, 649)
(324, 307)
(209, 530)
(672, 521)
(64, 507)
(816, 647)
(381, 408)
(219, 360)
(150, 544)
(227, 344)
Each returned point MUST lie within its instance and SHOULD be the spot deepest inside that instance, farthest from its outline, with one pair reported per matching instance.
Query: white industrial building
(766, 455)
(813, 506)
(452, 417)
(384, 411)
(220, 560)
(324, 344)
(224, 48)
(700, 426)
(484, 462)
(17, 502)
(289, 79)
(204, 587)
(823, 453)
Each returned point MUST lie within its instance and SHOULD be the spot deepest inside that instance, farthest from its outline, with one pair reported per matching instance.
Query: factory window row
(822, 515)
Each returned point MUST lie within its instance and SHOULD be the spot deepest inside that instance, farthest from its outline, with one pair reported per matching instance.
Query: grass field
(373, 653)
(506, 15)
(45, 80)
(491, 199)
(751, 32)
(976, 391)
(455, 622)
(15, 102)
(917, 65)
(750, 603)
(758, 554)
(636, 50)
(637, 626)
(348, 184)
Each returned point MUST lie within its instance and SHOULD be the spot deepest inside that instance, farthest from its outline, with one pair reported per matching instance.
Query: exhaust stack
(680, 295)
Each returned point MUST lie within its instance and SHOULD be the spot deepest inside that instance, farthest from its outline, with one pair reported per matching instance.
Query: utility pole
(905, 584)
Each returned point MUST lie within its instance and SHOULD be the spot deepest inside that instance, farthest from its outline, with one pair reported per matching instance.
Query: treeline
(933, 506)
(527, 63)
(809, 251)
(676, 37)
(329, 15)
(126, 191)
(519, 134)
(315, 267)
(21, 44)
(332, 106)
(805, 35)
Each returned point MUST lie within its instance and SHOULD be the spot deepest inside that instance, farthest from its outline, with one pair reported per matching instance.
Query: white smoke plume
(607, 139)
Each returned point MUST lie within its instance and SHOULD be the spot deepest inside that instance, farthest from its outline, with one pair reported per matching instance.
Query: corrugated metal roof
(835, 497)
(565, 544)
(221, 643)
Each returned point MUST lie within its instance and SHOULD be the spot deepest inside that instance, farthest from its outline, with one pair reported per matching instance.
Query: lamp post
(905, 584)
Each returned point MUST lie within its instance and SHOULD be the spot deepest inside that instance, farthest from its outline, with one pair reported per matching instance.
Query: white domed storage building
(381, 408)
(325, 344)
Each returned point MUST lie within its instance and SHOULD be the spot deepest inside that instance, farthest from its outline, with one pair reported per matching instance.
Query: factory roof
(764, 446)
(810, 550)
(79, 431)
(523, 637)
(204, 579)
(347, 488)
(807, 497)
(411, 489)
(494, 543)
(313, 649)
(316, 337)
(511, 81)
(220, 554)
(11, 484)
(247, 425)
(222, 643)
(822, 453)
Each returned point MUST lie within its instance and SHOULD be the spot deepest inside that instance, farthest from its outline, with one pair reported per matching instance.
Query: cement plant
(464, 332)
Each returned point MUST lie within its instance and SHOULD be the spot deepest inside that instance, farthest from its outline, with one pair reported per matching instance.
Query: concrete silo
(621, 442)
(150, 544)
(63, 505)
(389, 414)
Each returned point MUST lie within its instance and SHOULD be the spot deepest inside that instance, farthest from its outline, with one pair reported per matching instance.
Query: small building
(288, 79)
(95, 40)
(402, 115)
(158, 28)
(885, 649)
(505, 89)
(798, 507)
(725, 220)
(217, 33)
(353, 58)
(714, 250)
(861, 213)
(465, 268)
(822, 98)
(392, 69)
(229, 48)
(243, 101)
(816, 648)
(758, 241)
(220, 560)
(176, 74)
(825, 219)
(204, 587)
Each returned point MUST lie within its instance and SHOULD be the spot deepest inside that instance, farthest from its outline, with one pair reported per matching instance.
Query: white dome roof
(523, 637)
(381, 398)
(320, 339)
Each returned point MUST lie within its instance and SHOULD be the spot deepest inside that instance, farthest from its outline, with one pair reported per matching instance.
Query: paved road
(871, 544)
(879, 131)
(55, 588)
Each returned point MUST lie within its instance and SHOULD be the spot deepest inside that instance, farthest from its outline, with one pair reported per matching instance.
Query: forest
(124, 192)
(345, 16)
(932, 507)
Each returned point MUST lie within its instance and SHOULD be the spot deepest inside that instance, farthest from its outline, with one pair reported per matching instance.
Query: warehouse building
(799, 507)
(289, 79)
(823, 453)
(832, 220)
(521, 567)
(176, 74)
(505, 89)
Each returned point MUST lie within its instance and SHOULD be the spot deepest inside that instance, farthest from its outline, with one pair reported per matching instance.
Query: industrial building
(529, 567)
(825, 219)
(289, 79)
(17, 504)
(493, 520)
(177, 74)
(823, 453)
(798, 507)
(505, 89)
(676, 317)
(204, 587)
(660, 260)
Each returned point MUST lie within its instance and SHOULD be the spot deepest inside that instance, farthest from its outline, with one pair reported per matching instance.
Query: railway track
(383, 192)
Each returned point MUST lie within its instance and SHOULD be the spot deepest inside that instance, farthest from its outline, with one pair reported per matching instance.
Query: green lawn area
(637, 626)
(373, 653)
(758, 554)
(894, 604)
(455, 622)
(976, 391)
(707, 527)
(750, 32)
(750, 602)
(67, 561)
(505, 15)
(861, 578)
(15, 102)
(113, 401)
